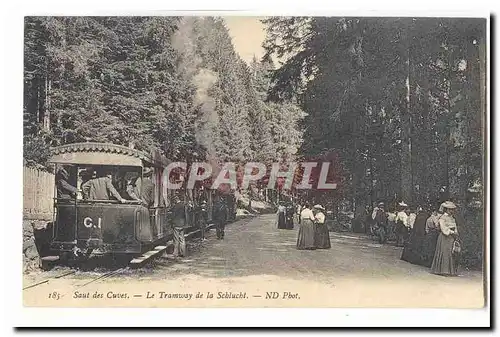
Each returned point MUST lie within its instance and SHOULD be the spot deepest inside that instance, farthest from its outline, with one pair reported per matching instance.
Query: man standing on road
(179, 224)
(202, 216)
(220, 217)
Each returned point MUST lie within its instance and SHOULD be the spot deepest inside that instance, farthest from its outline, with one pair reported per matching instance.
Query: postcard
(255, 162)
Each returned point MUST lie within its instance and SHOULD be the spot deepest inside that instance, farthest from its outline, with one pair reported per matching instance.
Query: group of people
(222, 211)
(429, 236)
(97, 184)
(285, 215)
(313, 231)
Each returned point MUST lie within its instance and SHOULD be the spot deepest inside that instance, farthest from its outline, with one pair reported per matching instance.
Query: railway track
(101, 277)
(135, 263)
(49, 279)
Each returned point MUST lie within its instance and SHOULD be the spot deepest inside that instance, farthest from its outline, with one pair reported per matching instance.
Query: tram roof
(104, 154)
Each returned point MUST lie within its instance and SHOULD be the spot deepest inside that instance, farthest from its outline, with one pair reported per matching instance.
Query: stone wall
(36, 240)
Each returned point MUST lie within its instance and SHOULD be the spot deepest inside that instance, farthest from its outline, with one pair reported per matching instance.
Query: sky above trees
(247, 34)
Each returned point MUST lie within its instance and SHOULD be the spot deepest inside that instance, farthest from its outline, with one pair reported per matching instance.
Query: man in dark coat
(220, 217)
(289, 210)
(202, 216)
(179, 225)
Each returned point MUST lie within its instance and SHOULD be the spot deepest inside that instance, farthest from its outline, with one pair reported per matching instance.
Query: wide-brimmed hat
(319, 207)
(447, 204)
(147, 171)
(403, 204)
(380, 204)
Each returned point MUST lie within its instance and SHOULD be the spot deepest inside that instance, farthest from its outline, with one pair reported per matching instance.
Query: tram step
(137, 262)
(47, 262)
(50, 258)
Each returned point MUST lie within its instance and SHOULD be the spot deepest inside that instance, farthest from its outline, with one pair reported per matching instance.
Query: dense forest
(397, 105)
(171, 83)
(400, 100)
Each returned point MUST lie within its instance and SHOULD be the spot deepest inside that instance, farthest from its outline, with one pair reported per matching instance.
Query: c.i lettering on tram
(89, 223)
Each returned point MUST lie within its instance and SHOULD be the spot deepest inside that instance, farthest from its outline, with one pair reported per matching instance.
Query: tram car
(110, 199)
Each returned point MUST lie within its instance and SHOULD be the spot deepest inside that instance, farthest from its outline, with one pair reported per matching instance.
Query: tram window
(66, 182)
(121, 177)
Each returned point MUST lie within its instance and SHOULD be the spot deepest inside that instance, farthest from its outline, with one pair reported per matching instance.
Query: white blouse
(403, 217)
(307, 214)
(447, 224)
(391, 216)
(411, 219)
(320, 217)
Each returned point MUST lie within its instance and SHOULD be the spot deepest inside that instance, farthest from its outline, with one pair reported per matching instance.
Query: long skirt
(281, 221)
(322, 237)
(305, 240)
(444, 263)
(402, 233)
(289, 222)
(391, 235)
(358, 226)
(413, 251)
(429, 247)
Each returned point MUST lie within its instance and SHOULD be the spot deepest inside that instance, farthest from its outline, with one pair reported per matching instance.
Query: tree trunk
(406, 168)
(46, 110)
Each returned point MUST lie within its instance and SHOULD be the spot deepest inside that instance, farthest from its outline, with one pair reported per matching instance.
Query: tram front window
(65, 182)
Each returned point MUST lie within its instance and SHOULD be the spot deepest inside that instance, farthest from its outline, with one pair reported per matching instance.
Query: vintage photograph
(265, 162)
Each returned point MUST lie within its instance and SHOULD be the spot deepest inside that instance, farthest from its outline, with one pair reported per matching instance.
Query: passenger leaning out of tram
(142, 189)
(101, 187)
(64, 189)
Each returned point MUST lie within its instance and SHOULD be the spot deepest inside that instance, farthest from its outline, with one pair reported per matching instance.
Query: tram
(86, 223)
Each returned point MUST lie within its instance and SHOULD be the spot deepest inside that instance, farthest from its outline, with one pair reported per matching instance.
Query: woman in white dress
(444, 262)
(307, 230)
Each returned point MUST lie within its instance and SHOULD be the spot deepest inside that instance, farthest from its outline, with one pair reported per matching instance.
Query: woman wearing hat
(413, 251)
(322, 236)
(281, 216)
(305, 239)
(444, 262)
(402, 224)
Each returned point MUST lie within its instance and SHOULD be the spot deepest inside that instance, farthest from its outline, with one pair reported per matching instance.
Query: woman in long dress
(430, 240)
(413, 248)
(444, 262)
(305, 239)
(281, 216)
(402, 225)
(322, 235)
(289, 210)
(391, 225)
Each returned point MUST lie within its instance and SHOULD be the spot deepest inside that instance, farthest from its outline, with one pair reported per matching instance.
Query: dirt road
(257, 265)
